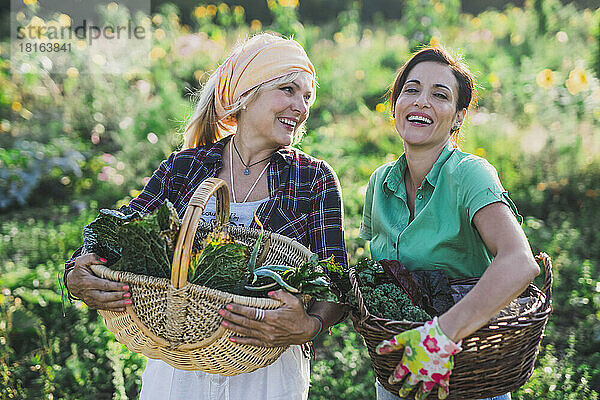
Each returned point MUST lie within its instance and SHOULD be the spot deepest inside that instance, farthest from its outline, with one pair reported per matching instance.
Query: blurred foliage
(71, 143)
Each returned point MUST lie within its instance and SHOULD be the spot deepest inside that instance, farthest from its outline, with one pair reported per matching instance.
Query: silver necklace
(231, 176)
(247, 169)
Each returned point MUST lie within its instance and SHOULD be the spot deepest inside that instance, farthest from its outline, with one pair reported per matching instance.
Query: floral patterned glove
(427, 358)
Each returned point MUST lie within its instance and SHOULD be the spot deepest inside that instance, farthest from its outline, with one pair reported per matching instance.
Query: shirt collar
(434, 173)
(396, 175)
(214, 154)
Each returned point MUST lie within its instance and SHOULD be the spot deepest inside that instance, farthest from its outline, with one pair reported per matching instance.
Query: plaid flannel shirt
(305, 198)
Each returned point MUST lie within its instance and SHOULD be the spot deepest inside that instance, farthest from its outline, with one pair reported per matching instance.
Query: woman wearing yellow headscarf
(249, 114)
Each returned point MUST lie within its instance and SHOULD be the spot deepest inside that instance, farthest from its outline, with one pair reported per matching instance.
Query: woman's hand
(427, 358)
(96, 292)
(286, 325)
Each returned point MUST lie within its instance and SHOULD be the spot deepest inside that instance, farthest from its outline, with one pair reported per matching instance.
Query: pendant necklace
(247, 169)
(231, 174)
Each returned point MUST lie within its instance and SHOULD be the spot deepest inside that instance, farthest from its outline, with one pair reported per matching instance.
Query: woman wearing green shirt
(437, 207)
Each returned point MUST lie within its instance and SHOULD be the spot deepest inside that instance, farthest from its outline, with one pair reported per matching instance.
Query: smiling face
(275, 117)
(425, 110)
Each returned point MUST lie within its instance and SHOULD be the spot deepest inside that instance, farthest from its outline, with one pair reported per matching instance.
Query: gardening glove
(427, 358)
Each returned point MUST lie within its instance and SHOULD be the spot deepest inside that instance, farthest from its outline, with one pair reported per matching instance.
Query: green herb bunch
(382, 297)
(221, 264)
(145, 245)
(389, 301)
(132, 243)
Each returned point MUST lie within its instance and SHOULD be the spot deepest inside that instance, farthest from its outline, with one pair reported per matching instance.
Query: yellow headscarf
(261, 59)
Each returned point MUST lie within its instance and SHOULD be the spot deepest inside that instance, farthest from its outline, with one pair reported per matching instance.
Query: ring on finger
(259, 314)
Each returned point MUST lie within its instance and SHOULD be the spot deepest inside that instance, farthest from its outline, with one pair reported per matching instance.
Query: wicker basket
(496, 359)
(178, 322)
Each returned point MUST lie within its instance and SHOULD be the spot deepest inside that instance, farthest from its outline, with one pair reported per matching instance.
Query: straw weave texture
(496, 359)
(181, 325)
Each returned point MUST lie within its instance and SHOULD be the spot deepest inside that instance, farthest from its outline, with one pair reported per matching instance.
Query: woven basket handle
(193, 212)
(545, 258)
(364, 313)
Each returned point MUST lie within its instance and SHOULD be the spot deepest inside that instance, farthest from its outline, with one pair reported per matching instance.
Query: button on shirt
(442, 234)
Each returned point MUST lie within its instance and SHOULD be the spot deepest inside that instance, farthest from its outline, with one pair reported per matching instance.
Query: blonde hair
(204, 126)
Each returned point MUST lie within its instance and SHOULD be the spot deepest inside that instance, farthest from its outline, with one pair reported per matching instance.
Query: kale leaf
(389, 301)
(221, 264)
(133, 243)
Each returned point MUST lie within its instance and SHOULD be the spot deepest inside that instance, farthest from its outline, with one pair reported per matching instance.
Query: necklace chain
(231, 175)
(247, 169)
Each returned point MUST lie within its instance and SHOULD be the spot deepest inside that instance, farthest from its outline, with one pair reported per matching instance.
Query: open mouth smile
(289, 123)
(419, 119)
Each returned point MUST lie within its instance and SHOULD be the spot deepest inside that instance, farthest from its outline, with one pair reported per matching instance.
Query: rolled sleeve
(366, 231)
(325, 221)
(482, 188)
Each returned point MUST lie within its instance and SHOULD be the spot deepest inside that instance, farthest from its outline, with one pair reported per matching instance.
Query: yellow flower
(29, 2)
(545, 78)
(577, 81)
(223, 8)
(157, 19)
(359, 74)
(331, 266)
(72, 72)
(255, 25)
(64, 20)
(434, 41)
(494, 80)
(516, 39)
(36, 26)
(160, 34)
(16, 106)
(211, 9)
(288, 3)
(380, 107)
(200, 12)
(238, 10)
(480, 151)
(157, 52)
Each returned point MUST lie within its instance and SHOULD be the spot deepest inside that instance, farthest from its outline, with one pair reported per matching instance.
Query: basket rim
(509, 333)
(542, 310)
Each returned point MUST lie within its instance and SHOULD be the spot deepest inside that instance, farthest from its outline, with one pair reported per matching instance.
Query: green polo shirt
(442, 234)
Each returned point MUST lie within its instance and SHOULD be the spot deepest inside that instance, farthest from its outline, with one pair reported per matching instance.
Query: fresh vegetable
(132, 243)
(389, 301)
(146, 244)
(221, 264)
(383, 295)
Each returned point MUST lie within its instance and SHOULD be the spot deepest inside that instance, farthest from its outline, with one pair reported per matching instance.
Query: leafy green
(221, 264)
(101, 235)
(389, 301)
(132, 243)
(310, 279)
(382, 297)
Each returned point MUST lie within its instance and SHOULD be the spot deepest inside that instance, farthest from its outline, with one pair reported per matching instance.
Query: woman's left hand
(427, 358)
(289, 324)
